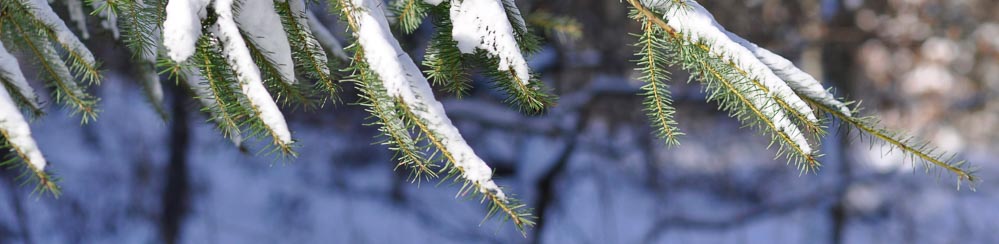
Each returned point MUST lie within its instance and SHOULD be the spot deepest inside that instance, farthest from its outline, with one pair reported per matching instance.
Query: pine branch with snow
(390, 76)
(245, 61)
(765, 90)
(24, 31)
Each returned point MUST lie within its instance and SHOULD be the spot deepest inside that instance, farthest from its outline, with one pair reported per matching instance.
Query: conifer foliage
(242, 59)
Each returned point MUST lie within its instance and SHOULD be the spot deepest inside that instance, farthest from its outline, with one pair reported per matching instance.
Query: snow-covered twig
(250, 82)
(403, 80)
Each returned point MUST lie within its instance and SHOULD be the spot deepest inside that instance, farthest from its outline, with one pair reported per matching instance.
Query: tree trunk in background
(176, 192)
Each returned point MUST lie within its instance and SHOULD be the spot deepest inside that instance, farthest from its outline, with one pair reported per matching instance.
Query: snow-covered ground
(615, 185)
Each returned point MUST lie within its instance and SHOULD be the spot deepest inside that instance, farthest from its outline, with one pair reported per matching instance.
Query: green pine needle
(653, 63)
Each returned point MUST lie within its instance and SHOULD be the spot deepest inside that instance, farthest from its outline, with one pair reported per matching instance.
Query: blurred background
(590, 167)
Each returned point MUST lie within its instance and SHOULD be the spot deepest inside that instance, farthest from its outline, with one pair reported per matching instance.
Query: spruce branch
(15, 132)
(402, 80)
(653, 64)
(742, 103)
(804, 86)
(696, 22)
(212, 67)
(387, 114)
(234, 105)
(915, 149)
(267, 119)
(735, 91)
(512, 209)
(38, 14)
(740, 55)
(16, 26)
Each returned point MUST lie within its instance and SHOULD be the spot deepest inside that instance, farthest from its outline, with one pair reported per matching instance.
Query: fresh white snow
(483, 24)
(17, 132)
(433, 2)
(402, 78)
(261, 23)
(250, 82)
(183, 27)
(11, 72)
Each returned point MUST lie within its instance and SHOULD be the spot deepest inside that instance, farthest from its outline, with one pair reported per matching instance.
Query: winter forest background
(590, 167)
